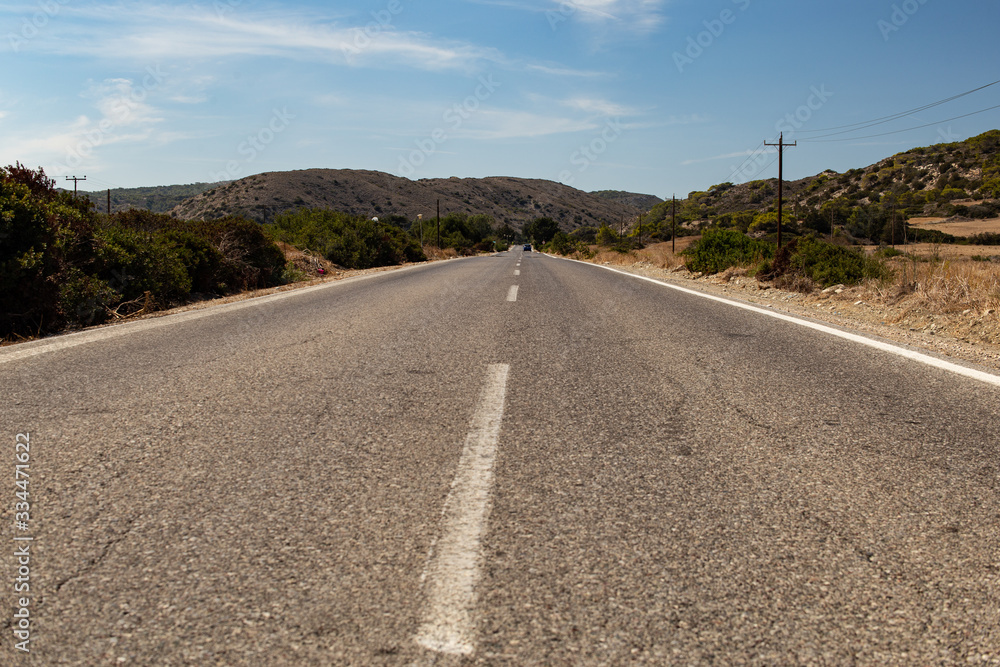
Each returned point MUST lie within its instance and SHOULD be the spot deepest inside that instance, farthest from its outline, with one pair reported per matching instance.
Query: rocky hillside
(158, 199)
(920, 181)
(642, 202)
(513, 201)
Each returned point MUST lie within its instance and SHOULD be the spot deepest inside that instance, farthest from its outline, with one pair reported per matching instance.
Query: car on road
(527, 247)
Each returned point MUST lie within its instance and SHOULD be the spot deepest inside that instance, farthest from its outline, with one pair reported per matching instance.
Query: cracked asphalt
(677, 481)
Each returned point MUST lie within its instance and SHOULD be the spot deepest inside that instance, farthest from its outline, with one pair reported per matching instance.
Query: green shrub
(888, 252)
(134, 262)
(84, 299)
(606, 236)
(353, 242)
(827, 264)
(719, 249)
(917, 235)
(985, 238)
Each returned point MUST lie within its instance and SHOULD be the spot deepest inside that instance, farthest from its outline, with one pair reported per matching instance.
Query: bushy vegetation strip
(819, 261)
(348, 241)
(62, 264)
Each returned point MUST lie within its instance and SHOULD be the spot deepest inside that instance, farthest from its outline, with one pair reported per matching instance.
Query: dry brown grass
(944, 251)
(947, 286)
(434, 253)
(658, 255)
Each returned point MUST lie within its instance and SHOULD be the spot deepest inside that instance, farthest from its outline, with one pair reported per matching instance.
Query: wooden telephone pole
(75, 179)
(673, 234)
(781, 175)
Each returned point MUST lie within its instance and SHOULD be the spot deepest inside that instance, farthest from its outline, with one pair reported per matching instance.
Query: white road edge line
(512, 294)
(452, 573)
(958, 369)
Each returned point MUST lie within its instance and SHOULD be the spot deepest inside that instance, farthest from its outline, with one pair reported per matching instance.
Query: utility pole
(640, 228)
(439, 222)
(75, 179)
(673, 234)
(109, 201)
(781, 175)
(892, 221)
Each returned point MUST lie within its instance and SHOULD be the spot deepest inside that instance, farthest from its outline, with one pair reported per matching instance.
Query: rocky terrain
(512, 201)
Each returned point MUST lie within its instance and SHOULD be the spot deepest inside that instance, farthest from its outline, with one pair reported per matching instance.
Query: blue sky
(654, 96)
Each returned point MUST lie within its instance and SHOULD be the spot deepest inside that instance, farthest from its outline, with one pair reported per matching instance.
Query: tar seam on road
(926, 359)
(454, 570)
(512, 294)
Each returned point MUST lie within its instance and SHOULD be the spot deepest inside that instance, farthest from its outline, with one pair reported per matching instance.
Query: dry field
(958, 228)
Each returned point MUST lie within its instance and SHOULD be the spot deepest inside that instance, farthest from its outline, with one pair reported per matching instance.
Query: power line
(752, 155)
(902, 114)
(909, 129)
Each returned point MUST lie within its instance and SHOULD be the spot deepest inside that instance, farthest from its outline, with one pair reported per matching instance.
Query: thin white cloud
(599, 107)
(512, 124)
(149, 32)
(630, 16)
(123, 115)
(564, 71)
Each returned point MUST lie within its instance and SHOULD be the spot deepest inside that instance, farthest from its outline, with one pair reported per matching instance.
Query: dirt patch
(958, 227)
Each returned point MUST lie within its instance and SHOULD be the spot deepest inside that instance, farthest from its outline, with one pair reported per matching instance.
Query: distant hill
(513, 201)
(642, 202)
(158, 199)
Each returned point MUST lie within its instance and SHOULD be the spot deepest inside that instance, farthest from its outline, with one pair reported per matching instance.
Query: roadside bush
(85, 299)
(585, 234)
(133, 262)
(719, 249)
(606, 236)
(827, 264)
(350, 241)
(567, 244)
(61, 263)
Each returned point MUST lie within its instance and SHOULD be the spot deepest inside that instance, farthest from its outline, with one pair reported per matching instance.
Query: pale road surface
(427, 466)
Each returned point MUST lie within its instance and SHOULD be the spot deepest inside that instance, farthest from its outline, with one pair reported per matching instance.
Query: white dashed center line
(512, 294)
(517, 272)
(454, 569)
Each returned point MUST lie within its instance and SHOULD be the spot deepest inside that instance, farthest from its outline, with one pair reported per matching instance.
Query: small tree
(606, 236)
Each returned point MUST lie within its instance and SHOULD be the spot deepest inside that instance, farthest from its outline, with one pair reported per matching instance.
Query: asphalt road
(430, 467)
